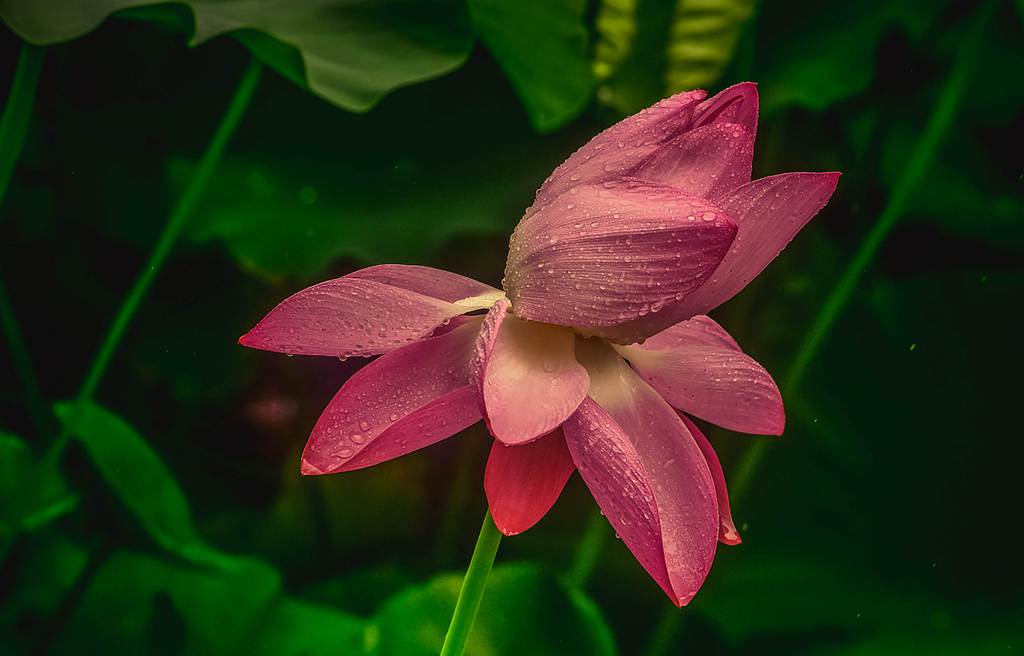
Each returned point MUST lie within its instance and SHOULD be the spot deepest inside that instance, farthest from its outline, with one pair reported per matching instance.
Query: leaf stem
(472, 589)
(179, 217)
(13, 130)
(951, 95)
(589, 550)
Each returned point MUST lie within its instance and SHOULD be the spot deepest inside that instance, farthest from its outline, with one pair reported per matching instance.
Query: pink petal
(698, 370)
(707, 161)
(528, 378)
(770, 212)
(617, 150)
(727, 533)
(647, 473)
(428, 281)
(411, 397)
(608, 258)
(523, 482)
(736, 104)
(368, 312)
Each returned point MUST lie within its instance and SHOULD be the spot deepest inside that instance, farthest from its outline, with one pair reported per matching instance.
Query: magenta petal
(527, 375)
(701, 370)
(770, 212)
(411, 397)
(617, 150)
(608, 258)
(736, 104)
(523, 482)
(647, 473)
(706, 161)
(727, 533)
(368, 312)
(428, 281)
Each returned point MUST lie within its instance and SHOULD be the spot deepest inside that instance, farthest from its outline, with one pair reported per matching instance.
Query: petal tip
(306, 468)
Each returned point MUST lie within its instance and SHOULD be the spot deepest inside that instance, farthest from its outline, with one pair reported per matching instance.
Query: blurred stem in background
(472, 591)
(938, 125)
(179, 217)
(13, 128)
(949, 99)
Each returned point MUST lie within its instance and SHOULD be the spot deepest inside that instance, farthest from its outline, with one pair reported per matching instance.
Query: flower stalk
(472, 591)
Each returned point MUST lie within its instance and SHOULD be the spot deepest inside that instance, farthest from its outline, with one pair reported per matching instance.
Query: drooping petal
(406, 399)
(523, 482)
(700, 369)
(436, 283)
(646, 472)
(609, 258)
(617, 150)
(368, 312)
(735, 104)
(706, 161)
(727, 533)
(770, 212)
(527, 375)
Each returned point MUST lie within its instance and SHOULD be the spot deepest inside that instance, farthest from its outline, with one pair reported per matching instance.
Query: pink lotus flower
(596, 348)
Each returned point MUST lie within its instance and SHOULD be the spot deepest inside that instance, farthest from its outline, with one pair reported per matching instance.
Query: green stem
(589, 550)
(13, 129)
(472, 589)
(938, 125)
(179, 217)
(18, 110)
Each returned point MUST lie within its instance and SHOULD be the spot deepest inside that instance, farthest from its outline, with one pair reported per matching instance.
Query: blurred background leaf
(526, 37)
(525, 611)
(31, 493)
(351, 54)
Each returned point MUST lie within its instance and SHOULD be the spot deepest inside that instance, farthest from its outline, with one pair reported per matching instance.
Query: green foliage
(139, 478)
(526, 36)
(524, 611)
(701, 41)
(32, 493)
(823, 53)
(648, 49)
(352, 54)
(140, 604)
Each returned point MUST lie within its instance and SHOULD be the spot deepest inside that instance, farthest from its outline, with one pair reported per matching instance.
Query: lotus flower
(599, 347)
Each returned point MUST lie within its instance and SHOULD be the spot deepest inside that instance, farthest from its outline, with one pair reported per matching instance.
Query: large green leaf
(352, 53)
(31, 493)
(527, 37)
(140, 479)
(524, 611)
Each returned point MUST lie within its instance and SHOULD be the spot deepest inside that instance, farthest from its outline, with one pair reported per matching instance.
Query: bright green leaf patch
(31, 492)
(524, 611)
(526, 37)
(352, 53)
(702, 40)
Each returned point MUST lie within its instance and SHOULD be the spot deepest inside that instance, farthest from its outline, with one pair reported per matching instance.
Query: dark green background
(885, 520)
